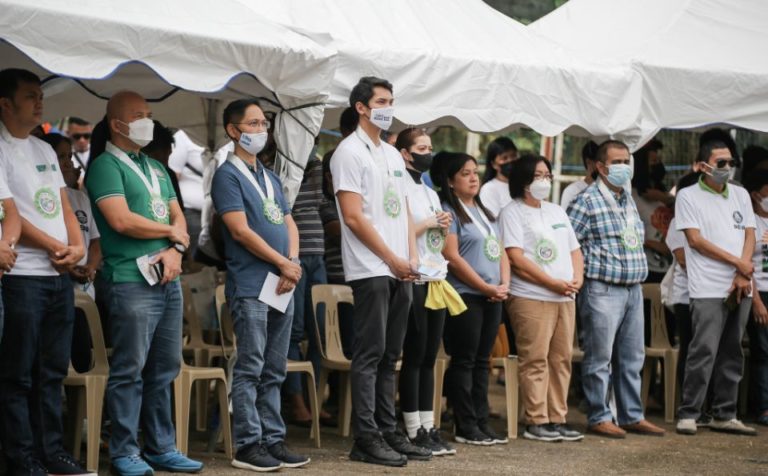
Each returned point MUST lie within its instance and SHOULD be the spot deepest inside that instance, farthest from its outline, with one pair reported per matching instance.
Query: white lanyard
(154, 187)
(240, 165)
(484, 230)
(624, 214)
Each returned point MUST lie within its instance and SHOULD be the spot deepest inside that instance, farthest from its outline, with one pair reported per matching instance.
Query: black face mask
(506, 169)
(421, 162)
(658, 171)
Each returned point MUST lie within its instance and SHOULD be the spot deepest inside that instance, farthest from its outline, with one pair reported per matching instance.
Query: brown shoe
(608, 430)
(644, 427)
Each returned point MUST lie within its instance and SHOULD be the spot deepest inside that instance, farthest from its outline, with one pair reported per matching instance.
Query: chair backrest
(224, 316)
(202, 284)
(191, 319)
(331, 295)
(100, 363)
(659, 334)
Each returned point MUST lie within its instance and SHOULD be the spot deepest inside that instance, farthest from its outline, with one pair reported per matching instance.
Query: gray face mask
(719, 176)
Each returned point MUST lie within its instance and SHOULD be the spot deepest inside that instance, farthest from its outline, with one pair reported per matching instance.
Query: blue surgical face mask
(619, 174)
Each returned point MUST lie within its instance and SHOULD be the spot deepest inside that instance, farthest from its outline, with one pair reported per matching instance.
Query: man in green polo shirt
(143, 237)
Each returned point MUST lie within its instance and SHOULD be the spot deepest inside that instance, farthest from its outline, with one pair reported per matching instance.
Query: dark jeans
(312, 272)
(684, 334)
(469, 339)
(422, 341)
(381, 309)
(34, 355)
(758, 345)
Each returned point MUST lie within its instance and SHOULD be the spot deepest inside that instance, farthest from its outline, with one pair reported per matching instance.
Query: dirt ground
(706, 453)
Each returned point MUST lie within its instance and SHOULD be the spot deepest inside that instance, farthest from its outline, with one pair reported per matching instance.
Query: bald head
(123, 108)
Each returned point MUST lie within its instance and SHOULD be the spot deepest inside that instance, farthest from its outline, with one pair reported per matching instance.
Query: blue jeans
(145, 326)
(614, 349)
(312, 272)
(34, 355)
(262, 348)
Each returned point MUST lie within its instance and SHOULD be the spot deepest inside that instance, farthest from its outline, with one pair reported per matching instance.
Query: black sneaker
(374, 450)
(472, 436)
(64, 464)
(434, 433)
(497, 439)
(255, 457)
(423, 440)
(399, 442)
(289, 460)
(28, 467)
(568, 433)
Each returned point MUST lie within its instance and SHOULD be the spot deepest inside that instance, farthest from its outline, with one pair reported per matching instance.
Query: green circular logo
(47, 203)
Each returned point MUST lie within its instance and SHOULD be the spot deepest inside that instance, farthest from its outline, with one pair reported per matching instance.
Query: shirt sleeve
(226, 193)
(178, 159)
(104, 179)
(686, 212)
(749, 215)
(511, 224)
(578, 214)
(453, 229)
(675, 238)
(347, 172)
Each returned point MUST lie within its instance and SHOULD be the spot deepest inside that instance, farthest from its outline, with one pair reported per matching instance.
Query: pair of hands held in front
(7, 256)
(290, 274)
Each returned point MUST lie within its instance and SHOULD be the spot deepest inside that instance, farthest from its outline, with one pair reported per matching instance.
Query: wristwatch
(295, 259)
(180, 248)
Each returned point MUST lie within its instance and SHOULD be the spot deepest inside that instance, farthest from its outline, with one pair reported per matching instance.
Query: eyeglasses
(85, 135)
(547, 176)
(256, 124)
(723, 162)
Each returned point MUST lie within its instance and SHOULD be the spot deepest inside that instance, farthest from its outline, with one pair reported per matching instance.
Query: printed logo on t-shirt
(159, 173)
(738, 218)
(82, 219)
(41, 168)
(764, 247)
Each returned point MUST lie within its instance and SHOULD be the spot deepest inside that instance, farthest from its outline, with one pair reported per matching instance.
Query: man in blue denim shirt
(610, 231)
(260, 237)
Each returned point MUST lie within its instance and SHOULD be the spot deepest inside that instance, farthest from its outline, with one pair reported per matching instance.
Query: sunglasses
(723, 162)
(78, 136)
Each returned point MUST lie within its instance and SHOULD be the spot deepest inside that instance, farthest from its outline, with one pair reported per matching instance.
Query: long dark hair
(497, 147)
(444, 167)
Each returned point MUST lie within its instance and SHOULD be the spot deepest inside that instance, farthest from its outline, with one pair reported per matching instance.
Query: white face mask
(253, 142)
(382, 117)
(141, 131)
(540, 189)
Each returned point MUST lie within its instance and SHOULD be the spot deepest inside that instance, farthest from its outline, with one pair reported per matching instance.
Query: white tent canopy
(188, 57)
(700, 60)
(460, 62)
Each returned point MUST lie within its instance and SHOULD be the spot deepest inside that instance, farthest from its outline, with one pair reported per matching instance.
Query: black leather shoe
(374, 450)
(399, 442)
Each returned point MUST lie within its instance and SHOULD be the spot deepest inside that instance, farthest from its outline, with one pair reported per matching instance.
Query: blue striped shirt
(600, 229)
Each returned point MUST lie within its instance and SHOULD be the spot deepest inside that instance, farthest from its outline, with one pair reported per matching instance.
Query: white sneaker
(686, 426)
(732, 426)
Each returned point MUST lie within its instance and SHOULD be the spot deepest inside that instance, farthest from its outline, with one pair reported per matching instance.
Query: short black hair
(602, 150)
(78, 121)
(522, 172)
(235, 111)
(162, 138)
(348, 121)
(706, 148)
(721, 135)
(497, 147)
(54, 139)
(10, 79)
(756, 180)
(363, 90)
(589, 152)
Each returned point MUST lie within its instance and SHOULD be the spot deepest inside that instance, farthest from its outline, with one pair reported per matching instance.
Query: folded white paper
(269, 294)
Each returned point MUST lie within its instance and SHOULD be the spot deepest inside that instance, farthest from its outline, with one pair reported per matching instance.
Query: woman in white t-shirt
(425, 326)
(547, 272)
(757, 186)
(495, 190)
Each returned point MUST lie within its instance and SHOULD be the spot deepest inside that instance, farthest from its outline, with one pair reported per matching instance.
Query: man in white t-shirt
(79, 132)
(10, 230)
(719, 226)
(588, 155)
(37, 292)
(187, 161)
(378, 248)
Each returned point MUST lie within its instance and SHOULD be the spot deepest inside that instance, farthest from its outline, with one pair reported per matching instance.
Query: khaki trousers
(544, 337)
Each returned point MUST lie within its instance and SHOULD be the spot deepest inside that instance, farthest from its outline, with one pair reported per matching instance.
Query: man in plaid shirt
(610, 231)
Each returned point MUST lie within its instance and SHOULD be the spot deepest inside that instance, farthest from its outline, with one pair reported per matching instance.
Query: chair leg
(437, 403)
(314, 406)
(512, 388)
(76, 405)
(182, 391)
(670, 384)
(95, 402)
(225, 424)
(345, 404)
(646, 381)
